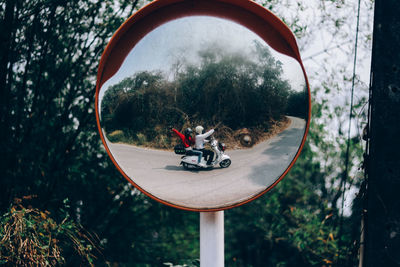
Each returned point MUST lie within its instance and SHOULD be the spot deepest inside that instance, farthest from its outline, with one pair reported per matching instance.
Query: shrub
(30, 237)
(116, 136)
(141, 139)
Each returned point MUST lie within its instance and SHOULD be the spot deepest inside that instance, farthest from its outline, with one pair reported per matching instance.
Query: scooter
(221, 159)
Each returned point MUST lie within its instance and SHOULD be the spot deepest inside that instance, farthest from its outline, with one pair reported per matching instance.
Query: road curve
(252, 171)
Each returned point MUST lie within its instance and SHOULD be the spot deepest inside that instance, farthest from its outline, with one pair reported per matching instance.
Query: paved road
(252, 171)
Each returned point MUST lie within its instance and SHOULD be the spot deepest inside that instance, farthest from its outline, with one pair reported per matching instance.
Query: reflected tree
(225, 87)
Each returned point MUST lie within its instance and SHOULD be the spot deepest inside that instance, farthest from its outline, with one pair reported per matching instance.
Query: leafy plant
(31, 237)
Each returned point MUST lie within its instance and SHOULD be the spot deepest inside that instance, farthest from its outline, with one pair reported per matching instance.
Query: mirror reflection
(203, 113)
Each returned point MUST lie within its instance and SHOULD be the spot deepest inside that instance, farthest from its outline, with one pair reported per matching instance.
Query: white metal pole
(212, 239)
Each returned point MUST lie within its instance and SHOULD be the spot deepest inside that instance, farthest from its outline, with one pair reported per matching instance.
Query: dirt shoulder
(239, 139)
(247, 138)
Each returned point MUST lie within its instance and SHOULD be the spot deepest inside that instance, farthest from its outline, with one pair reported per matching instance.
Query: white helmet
(199, 129)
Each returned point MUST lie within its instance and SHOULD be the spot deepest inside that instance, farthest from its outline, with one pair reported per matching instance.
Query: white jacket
(199, 140)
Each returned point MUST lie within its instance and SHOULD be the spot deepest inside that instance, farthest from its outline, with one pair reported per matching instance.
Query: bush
(116, 136)
(141, 139)
(30, 237)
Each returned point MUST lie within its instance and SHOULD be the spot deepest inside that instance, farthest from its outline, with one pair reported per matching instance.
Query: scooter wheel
(185, 165)
(225, 163)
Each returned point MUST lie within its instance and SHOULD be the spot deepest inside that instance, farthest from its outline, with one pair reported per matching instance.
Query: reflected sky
(181, 39)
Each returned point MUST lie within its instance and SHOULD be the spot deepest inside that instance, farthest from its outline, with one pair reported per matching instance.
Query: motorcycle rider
(188, 142)
(200, 139)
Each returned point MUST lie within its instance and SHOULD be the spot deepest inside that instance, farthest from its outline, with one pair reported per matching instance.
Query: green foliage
(31, 237)
(49, 147)
(297, 100)
(148, 233)
(231, 88)
(47, 122)
(116, 136)
(292, 219)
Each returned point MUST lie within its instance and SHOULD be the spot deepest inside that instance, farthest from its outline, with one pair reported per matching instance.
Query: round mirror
(201, 109)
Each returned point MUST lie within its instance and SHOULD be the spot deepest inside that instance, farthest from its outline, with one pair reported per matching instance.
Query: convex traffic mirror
(203, 105)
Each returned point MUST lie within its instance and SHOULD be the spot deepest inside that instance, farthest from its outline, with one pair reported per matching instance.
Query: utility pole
(382, 206)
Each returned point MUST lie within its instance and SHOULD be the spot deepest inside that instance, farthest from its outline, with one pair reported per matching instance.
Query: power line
(326, 50)
(346, 171)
